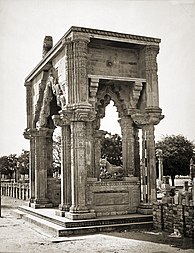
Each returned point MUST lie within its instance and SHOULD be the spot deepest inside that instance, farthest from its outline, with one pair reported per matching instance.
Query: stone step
(44, 224)
(61, 231)
(108, 220)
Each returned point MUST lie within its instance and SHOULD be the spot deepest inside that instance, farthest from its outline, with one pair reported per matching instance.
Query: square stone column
(80, 119)
(98, 136)
(151, 161)
(146, 122)
(65, 204)
(128, 145)
(41, 165)
(66, 169)
(30, 134)
(151, 76)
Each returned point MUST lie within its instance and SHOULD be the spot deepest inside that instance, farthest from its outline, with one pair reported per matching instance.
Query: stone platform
(61, 226)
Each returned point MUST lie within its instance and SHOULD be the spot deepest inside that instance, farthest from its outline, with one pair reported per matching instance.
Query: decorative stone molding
(135, 93)
(141, 119)
(103, 99)
(78, 112)
(93, 88)
(112, 34)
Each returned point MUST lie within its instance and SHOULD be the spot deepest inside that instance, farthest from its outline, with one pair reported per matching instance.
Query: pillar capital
(78, 112)
(80, 37)
(37, 132)
(141, 119)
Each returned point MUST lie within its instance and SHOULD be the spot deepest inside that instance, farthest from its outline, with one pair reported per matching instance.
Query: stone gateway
(71, 87)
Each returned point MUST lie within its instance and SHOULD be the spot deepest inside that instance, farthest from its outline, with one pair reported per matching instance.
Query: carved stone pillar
(89, 150)
(80, 116)
(136, 152)
(41, 166)
(65, 169)
(49, 143)
(80, 92)
(151, 160)
(151, 77)
(65, 164)
(30, 134)
(32, 169)
(144, 170)
(148, 170)
(128, 145)
(160, 164)
(98, 136)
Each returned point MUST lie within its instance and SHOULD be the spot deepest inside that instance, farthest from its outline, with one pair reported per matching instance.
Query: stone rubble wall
(171, 217)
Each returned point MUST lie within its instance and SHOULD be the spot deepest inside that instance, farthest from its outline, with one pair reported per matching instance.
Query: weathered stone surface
(71, 88)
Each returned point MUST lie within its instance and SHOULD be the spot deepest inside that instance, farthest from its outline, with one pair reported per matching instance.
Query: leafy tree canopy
(13, 163)
(176, 152)
(4, 165)
(23, 162)
(111, 148)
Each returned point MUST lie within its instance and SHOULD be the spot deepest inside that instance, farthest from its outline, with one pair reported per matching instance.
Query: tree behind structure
(111, 149)
(176, 153)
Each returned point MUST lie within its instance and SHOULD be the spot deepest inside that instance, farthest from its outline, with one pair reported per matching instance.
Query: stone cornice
(112, 34)
(75, 32)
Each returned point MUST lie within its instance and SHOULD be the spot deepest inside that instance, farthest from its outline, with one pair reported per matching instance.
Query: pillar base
(64, 207)
(35, 205)
(60, 213)
(40, 203)
(80, 216)
(145, 209)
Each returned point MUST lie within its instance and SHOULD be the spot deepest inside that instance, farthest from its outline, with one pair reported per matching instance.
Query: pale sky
(24, 24)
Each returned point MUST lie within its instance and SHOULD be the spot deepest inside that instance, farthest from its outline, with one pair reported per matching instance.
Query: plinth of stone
(36, 205)
(60, 213)
(80, 216)
(145, 209)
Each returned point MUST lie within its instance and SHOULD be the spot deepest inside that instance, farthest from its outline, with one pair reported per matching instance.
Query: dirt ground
(16, 235)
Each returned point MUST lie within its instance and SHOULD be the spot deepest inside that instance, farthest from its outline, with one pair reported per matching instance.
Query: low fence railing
(15, 190)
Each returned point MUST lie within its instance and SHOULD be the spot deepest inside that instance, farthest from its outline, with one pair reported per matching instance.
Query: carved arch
(51, 100)
(104, 96)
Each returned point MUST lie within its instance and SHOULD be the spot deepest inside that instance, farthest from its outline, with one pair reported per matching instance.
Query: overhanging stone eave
(117, 78)
(93, 33)
(103, 34)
